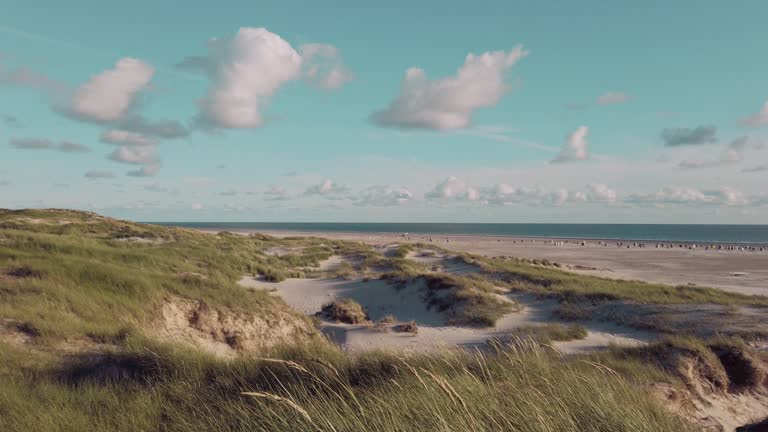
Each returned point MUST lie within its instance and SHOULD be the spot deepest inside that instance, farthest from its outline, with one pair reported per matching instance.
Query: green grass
(548, 333)
(88, 283)
(573, 287)
(90, 280)
(311, 388)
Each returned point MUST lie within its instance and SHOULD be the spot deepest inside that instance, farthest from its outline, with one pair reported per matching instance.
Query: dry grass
(346, 311)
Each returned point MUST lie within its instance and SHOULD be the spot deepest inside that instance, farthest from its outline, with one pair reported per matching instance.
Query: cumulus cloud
(149, 170)
(121, 137)
(504, 194)
(612, 98)
(448, 103)
(687, 136)
(597, 192)
(453, 188)
(732, 153)
(245, 72)
(46, 144)
(758, 119)
(141, 155)
(97, 174)
(383, 196)
(323, 66)
(109, 95)
(166, 129)
(680, 195)
(576, 147)
(276, 193)
(327, 188)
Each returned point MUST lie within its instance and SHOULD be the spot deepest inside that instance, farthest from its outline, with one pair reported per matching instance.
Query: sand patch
(225, 334)
(441, 262)
(279, 251)
(137, 239)
(406, 303)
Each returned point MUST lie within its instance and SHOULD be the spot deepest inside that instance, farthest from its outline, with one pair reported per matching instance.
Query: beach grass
(524, 387)
(80, 293)
(551, 281)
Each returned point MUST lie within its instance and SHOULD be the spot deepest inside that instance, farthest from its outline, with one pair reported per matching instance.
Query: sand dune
(406, 304)
(736, 271)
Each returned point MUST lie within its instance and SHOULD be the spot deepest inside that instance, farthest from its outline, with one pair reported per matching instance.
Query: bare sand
(737, 271)
(381, 299)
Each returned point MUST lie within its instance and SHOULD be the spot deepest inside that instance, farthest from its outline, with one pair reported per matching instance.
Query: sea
(737, 234)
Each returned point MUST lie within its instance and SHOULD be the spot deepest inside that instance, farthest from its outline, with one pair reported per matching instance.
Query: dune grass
(551, 332)
(574, 287)
(68, 275)
(89, 283)
(317, 388)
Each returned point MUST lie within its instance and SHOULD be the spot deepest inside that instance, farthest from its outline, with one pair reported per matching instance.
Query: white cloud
(576, 147)
(600, 192)
(678, 195)
(142, 155)
(758, 119)
(109, 95)
(327, 189)
(245, 71)
(732, 153)
(277, 193)
(504, 194)
(453, 189)
(612, 98)
(383, 196)
(448, 103)
(119, 137)
(323, 66)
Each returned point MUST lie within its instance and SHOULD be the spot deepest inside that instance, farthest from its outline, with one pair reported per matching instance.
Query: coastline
(742, 271)
(465, 229)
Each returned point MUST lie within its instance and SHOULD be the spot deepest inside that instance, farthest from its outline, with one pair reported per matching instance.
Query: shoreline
(203, 226)
(741, 271)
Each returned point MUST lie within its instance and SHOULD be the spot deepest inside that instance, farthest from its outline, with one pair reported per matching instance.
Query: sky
(497, 111)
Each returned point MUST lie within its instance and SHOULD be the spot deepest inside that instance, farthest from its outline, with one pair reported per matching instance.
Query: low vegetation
(345, 311)
(81, 296)
(548, 333)
(317, 388)
(571, 287)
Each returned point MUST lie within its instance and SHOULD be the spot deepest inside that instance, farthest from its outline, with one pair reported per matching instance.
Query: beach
(742, 271)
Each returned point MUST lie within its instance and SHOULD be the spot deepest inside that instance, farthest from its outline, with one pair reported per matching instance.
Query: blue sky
(295, 111)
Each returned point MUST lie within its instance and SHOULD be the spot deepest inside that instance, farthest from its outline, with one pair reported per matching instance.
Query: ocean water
(757, 234)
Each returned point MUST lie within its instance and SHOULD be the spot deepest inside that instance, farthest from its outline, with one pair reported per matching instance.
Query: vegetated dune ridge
(675, 263)
(113, 325)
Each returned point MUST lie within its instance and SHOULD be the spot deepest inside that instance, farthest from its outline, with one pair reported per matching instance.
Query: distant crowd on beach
(689, 246)
(619, 244)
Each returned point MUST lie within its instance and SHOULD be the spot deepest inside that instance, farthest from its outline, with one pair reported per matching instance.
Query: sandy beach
(731, 270)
